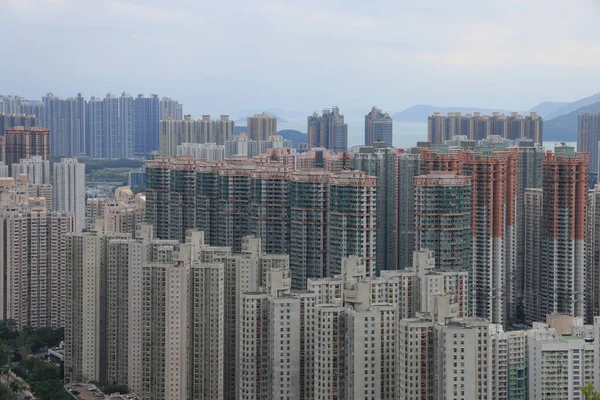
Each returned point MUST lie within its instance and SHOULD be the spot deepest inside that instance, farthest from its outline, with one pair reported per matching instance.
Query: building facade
(378, 128)
(69, 190)
(261, 127)
(443, 215)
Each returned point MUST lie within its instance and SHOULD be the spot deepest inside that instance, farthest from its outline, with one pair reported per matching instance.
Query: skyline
(440, 54)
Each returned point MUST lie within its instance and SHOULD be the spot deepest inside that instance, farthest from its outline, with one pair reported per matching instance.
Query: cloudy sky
(301, 55)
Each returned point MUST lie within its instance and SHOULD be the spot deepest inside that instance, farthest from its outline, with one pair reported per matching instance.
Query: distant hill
(576, 105)
(295, 136)
(239, 129)
(564, 128)
(420, 113)
(547, 108)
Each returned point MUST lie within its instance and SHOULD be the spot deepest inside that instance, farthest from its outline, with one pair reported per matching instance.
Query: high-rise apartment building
(33, 263)
(352, 220)
(94, 128)
(112, 137)
(234, 205)
(221, 199)
(205, 151)
(476, 126)
(411, 291)
(113, 127)
(313, 131)
(328, 131)
(207, 327)
(65, 118)
(534, 213)
(241, 146)
(36, 167)
(126, 125)
(146, 118)
(560, 363)
(269, 209)
(588, 137)
(294, 346)
(530, 171)
(20, 143)
(122, 214)
(223, 130)
(378, 128)
(382, 162)
(467, 375)
(145, 313)
(69, 190)
(336, 133)
(12, 104)
(409, 166)
(325, 159)
(560, 272)
(170, 108)
(18, 191)
(449, 358)
(308, 196)
(84, 332)
(8, 121)
(443, 216)
(494, 183)
(261, 127)
(174, 132)
(493, 174)
(274, 142)
(592, 255)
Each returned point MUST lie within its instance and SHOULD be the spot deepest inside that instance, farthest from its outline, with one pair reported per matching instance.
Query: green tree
(115, 388)
(5, 393)
(4, 354)
(15, 386)
(589, 393)
(8, 330)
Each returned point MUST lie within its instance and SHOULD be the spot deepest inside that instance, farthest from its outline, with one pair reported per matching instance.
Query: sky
(224, 56)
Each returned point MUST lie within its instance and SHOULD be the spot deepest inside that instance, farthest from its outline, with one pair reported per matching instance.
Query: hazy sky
(302, 55)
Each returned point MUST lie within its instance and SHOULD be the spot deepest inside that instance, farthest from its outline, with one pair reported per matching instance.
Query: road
(6, 380)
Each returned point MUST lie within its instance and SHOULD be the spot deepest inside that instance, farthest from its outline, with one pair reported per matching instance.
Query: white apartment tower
(462, 360)
(206, 330)
(84, 330)
(560, 364)
(146, 313)
(33, 264)
(415, 379)
(36, 167)
(121, 214)
(69, 190)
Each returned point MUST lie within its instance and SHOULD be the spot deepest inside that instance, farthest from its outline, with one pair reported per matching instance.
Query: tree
(4, 354)
(115, 388)
(14, 386)
(589, 393)
(5, 393)
(8, 329)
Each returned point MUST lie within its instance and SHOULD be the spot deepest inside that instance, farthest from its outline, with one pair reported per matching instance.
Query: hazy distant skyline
(219, 57)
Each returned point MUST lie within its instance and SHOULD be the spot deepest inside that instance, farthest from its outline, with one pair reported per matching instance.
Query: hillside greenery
(109, 170)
